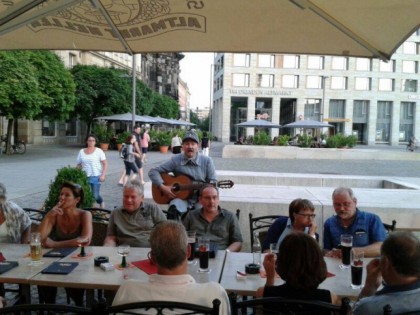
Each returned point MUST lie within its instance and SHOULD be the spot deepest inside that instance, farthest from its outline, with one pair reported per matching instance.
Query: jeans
(95, 185)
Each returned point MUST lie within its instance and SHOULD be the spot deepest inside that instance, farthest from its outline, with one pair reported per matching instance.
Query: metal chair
(283, 306)
(390, 227)
(388, 311)
(261, 225)
(36, 216)
(164, 307)
(99, 214)
(49, 308)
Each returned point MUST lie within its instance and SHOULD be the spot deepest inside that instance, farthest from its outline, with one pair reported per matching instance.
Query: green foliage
(283, 140)
(180, 132)
(351, 141)
(341, 141)
(332, 142)
(122, 137)
(262, 138)
(102, 132)
(164, 138)
(305, 141)
(69, 174)
(164, 106)
(194, 118)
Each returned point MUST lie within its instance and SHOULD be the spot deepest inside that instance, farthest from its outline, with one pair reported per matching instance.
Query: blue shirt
(367, 228)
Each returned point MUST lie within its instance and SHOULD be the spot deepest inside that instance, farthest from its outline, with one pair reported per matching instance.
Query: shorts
(130, 166)
(139, 162)
(144, 150)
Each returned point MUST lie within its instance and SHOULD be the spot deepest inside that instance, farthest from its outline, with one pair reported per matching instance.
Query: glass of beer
(346, 245)
(356, 268)
(203, 254)
(191, 243)
(36, 249)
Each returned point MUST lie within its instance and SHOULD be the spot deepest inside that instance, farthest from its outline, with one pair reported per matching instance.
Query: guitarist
(198, 167)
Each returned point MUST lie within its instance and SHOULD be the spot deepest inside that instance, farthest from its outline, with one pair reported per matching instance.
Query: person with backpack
(129, 155)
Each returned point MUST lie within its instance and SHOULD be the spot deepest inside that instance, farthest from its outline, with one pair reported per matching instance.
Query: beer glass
(191, 242)
(36, 249)
(203, 254)
(346, 245)
(356, 268)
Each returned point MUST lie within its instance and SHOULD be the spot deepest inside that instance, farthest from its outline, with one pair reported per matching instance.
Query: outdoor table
(338, 284)
(24, 272)
(87, 276)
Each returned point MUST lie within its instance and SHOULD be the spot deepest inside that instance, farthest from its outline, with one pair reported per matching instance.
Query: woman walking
(92, 161)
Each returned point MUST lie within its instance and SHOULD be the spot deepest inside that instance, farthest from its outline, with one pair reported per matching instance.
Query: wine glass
(124, 250)
(82, 242)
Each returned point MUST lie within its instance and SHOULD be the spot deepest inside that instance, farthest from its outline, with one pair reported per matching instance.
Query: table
(24, 272)
(339, 284)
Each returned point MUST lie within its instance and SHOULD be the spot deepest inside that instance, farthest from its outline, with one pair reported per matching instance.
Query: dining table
(338, 279)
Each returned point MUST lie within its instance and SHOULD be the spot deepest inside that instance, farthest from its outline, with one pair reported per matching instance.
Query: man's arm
(372, 250)
(235, 247)
(110, 241)
(235, 235)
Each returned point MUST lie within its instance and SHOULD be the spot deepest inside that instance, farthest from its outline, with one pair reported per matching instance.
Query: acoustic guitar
(182, 186)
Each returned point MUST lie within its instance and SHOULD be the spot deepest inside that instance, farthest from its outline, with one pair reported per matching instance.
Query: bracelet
(227, 250)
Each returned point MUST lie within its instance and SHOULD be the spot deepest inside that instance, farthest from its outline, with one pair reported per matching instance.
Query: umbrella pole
(133, 104)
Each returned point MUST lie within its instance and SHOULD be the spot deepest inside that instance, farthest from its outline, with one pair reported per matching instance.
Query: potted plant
(164, 140)
(101, 131)
(121, 139)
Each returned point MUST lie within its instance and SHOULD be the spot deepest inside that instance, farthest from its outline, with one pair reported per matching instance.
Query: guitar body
(182, 186)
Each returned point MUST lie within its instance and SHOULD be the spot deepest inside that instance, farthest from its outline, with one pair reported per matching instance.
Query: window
(315, 62)
(360, 109)
(410, 48)
(339, 63)
(313, 82)
(338, 83)
(362, 64)
(265, 61)
(290, 81)
(362, 84)
(72, 60)
(383, 122)
(409, 66)
(337, 108)
(240, 79)
(386, 84)
(312, 109)
(409, 85)
(71, 127)
(290, 62)
(387, 66)
(266, 80)
(48, 128)
(240, 60)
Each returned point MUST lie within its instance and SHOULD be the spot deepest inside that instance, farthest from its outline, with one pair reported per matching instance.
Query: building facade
(376, 101)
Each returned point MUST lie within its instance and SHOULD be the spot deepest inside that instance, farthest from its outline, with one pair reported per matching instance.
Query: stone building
(376, 101)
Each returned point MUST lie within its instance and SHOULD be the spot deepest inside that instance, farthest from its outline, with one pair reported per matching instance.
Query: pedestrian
(176, 144)
(205, 144)
(129, 160)
(144, 141)
(92, 161)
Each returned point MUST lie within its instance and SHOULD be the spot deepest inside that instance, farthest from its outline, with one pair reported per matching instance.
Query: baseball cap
(190, 135)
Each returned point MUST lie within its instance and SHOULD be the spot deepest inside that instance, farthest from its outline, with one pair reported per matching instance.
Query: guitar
(182, 186)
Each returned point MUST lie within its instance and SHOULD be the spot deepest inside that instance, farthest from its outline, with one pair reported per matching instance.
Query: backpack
(123, 152)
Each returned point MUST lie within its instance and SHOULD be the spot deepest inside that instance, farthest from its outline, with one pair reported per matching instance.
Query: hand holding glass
(273, 248)
(124, 250)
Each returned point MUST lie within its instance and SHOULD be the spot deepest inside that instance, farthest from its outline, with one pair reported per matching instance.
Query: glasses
(344, 204)
(308, 216)
(91, 140)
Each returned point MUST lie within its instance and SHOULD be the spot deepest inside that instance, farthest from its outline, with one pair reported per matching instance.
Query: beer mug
(36, 249)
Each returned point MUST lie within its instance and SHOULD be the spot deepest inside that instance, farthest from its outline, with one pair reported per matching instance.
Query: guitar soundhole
(175, 187)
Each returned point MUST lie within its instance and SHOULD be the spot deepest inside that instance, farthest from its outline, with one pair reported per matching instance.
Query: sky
(195, 71)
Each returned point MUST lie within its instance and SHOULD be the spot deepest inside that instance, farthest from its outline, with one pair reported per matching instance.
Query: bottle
(256, 249)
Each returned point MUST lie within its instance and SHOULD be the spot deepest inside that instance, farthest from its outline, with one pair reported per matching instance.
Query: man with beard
(198, 167)
(366, 228)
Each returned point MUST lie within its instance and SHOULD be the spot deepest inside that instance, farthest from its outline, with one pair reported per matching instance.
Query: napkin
(2, 257)
(60, 252)
(60, 268)
(146, 266)
(7, 265)
(330, 274)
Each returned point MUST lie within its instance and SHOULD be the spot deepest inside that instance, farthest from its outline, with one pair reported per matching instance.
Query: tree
(100, 92)
(194, 118)
(33, 84)
(164, 106)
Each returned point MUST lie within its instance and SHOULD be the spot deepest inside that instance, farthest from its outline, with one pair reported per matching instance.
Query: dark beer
(191, 242)
(345, 254)
(356, 276)
(203, 255)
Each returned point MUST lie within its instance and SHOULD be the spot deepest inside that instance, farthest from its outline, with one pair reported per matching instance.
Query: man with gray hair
(399, 270)
(132, 224)
(169, 251)
(366, 228)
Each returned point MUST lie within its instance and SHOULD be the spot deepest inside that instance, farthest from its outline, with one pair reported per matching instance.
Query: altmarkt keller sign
(260, 92)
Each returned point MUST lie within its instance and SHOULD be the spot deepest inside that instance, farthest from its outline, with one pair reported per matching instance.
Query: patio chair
(390, 227)
(261, 225)
(49, 308)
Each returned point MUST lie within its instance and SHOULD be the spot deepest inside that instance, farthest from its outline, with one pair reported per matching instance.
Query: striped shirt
(91, 163)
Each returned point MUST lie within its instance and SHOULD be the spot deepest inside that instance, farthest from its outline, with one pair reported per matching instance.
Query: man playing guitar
(198, 167)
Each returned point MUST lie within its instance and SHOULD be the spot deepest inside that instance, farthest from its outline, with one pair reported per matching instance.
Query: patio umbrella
(259, 123)
(128, 117)
(308, 124)
(361, 28)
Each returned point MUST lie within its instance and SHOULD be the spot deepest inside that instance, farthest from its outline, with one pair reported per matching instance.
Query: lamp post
(133, 104)
(324, 78)
(211, 94)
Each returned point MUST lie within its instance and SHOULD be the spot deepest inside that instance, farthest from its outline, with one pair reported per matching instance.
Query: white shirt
(182, 288)
(91, 163)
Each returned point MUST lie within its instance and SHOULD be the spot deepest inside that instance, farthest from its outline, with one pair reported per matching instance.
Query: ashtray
(252, 269)
(100, 260)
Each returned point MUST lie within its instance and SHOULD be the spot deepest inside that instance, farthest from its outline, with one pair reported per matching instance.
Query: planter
(163, 149)
(104, 146)
(119, 146)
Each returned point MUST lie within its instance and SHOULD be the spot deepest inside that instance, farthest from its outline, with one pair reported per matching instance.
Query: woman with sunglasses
(66, 225)
(301, 218)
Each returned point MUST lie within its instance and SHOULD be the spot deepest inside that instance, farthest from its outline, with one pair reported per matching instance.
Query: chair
(98, 233)
(261, 225)
(390, 227)
(99, 214)
(36, 217)
(161, 306)
(388, 311)
(282, 306)
(49, 308)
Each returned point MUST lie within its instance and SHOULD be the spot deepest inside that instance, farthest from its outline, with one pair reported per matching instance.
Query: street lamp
(211, 94)
(133, 104)
(324, 78)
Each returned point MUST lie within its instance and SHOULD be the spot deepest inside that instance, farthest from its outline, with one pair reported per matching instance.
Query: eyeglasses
(344, 204)
(91, 140)
(308, 216)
